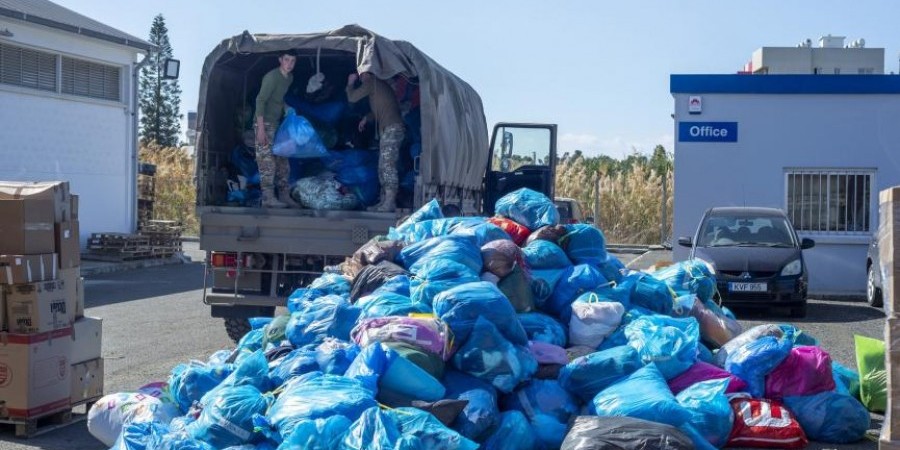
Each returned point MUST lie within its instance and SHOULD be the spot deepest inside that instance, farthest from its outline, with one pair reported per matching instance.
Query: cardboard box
(79, 298)
(39, 307)
(73, 199)
(55, 192)
(87, 380)
(35, 372)
(889, 248)
(87, 335)
(17, 269)
(68, 244)
(3, 325)
(26, 227)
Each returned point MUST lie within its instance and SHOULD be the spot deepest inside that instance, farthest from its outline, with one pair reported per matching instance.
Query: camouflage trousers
(272, 168)
(391, 140)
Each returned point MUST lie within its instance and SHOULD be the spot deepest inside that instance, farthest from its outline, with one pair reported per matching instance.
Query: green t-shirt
(270, 101)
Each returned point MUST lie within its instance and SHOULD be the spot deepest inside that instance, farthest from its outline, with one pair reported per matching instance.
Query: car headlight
(793, 268)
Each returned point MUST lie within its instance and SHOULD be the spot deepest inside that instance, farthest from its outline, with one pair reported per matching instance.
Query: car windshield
(565, 212)
(748, 231)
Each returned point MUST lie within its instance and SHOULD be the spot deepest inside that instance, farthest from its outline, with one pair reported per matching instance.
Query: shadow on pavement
(817, 311)
(107, 289)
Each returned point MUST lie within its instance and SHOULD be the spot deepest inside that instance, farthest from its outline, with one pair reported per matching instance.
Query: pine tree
(160, 116)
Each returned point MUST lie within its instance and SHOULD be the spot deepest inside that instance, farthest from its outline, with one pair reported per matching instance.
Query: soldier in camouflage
(269, 112)
(386, 112)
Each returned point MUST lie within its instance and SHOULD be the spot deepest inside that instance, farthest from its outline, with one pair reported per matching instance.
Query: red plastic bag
(764, 424)
(702, 371)
(516, 231)
(806, 371)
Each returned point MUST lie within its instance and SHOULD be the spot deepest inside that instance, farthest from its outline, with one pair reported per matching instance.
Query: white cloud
(617, 146)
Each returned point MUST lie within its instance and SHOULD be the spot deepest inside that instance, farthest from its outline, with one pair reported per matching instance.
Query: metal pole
(597, 199)
(662, 220)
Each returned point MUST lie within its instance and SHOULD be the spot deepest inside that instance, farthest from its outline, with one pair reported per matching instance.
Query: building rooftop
(49, 14)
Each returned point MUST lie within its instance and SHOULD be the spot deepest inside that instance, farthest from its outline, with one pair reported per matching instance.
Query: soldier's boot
(284, 196)
(269, 200)
(388, 201)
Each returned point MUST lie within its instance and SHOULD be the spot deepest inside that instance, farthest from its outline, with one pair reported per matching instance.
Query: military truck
(256, 257)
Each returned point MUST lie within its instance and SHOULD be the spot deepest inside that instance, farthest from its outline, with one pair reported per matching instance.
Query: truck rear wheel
(237, 327)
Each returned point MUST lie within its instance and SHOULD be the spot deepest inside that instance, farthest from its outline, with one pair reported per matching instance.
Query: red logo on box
(5, 375)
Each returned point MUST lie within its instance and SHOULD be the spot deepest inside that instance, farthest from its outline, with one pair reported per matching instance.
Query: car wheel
(873, 293)
(799, 312)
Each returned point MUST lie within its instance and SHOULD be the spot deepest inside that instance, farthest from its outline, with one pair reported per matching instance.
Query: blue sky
(598, 69)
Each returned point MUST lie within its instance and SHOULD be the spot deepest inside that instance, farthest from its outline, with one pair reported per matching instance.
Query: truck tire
(236, 327)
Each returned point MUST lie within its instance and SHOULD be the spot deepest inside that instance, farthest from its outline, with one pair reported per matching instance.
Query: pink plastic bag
(428, 334)
(546, 353)
(702, 371)
(806, 371)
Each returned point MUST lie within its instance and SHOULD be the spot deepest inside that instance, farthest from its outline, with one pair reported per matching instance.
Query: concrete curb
(94, 268)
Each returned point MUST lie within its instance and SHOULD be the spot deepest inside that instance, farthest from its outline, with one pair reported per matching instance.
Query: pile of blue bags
(439, 356)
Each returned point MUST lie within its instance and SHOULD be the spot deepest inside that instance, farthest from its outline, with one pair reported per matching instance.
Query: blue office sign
(707, 132)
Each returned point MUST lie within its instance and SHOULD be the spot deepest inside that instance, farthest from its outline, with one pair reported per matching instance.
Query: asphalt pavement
(154, 319)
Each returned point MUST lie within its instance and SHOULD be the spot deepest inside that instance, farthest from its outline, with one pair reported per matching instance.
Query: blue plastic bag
(543, 283)
(252, 371)
(487, 355)
(513, 433)
(529, 208)
(140, 436)
(374, 430)
(381, 305)
(298, 362)
(669, 342)
(693, 276)
(428, 211)
(479, 231)
(301, 297)
(296, 138)
(655, 401)
(335, 356)
(429, 431)
(318, 396)
(650, 293)
(845, 379)
(548, 407)
(754, 360)
(181, 441)
(329, 316)
(584, 244)
(830, 417)
(244, 160)
(437, 275)
(326, 113)
(541, 254)
(331, 283)
(480, 414)
(586, 376)
(399, 285)
(229, 419)
(460, 306)
(613, 269)
(543, 328)
(458, 248)
(318, 434)
(189, 382)
(574, 282)
(711, 414)
(618, 337)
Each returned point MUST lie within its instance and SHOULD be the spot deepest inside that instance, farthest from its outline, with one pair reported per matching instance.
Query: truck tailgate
(337, 233)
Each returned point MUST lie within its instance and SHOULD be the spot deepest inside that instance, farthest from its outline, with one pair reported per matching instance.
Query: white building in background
(820, 147)
(69, 107)
(830, 57)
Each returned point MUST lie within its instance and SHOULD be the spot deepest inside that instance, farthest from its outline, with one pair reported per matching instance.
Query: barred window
(29, 68)
(90, 79)
(829, 200)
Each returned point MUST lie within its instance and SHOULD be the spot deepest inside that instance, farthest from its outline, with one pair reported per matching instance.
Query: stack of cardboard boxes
(889, 256)
(49, 353)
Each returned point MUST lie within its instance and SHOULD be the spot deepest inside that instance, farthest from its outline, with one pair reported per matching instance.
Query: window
(35, 69)
(89, 79)
(28, 68)
(830, 201)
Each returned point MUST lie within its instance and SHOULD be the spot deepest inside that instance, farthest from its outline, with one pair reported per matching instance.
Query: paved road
(154, 320)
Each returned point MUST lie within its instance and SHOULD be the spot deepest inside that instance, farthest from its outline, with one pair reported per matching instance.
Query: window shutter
(90, 79)
(28, 68)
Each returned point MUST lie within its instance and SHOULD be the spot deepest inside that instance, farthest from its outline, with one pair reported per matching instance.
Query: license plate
(747, 287)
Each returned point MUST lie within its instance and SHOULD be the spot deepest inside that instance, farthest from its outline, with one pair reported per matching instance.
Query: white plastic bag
(111, 413)
(593, 321)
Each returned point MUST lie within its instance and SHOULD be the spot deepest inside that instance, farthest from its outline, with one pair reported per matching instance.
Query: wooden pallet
(27, 427)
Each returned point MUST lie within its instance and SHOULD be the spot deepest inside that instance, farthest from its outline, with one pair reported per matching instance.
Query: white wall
(88, 142)
(788, 131)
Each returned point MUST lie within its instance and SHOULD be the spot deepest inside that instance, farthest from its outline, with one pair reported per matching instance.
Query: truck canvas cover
(454, 130)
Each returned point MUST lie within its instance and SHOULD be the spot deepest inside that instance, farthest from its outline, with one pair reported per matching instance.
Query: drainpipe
(135, 141)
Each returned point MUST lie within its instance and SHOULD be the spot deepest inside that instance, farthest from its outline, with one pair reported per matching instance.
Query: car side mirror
(685, 241)
(807, 243)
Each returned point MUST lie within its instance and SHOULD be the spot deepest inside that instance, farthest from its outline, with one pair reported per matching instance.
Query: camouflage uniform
(391, 140)
(272, 168)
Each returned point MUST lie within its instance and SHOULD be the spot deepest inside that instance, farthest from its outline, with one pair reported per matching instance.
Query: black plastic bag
(619, 433)
(372, 277)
